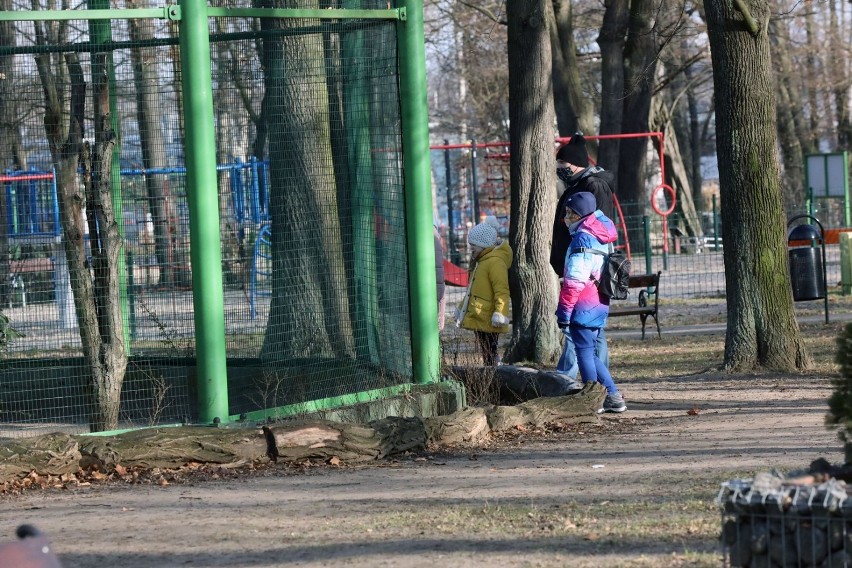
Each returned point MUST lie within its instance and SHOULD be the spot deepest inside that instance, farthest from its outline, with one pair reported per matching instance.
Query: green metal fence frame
(205, 245)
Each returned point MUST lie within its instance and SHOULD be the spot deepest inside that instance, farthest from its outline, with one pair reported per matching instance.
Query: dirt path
(636, 490)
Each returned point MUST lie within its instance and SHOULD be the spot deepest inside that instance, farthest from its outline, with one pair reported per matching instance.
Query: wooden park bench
(650, 284)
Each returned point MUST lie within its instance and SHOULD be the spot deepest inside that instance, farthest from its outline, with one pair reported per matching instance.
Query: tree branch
(753, 27)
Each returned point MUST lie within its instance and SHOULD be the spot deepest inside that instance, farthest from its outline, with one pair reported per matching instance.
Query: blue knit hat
(582, 203)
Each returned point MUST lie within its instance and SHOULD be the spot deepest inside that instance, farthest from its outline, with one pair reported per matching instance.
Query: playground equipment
(32, 209)
(468, 199)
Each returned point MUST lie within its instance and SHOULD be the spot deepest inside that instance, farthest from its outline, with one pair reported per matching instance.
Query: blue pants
(591, 366)
(567, 364)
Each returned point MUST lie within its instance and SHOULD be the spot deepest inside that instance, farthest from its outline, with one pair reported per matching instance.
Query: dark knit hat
(582, 203)
(574, 152)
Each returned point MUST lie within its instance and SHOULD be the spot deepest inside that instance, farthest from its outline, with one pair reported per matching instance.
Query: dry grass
(671, 519)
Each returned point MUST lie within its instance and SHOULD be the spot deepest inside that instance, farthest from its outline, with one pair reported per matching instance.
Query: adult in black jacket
(572, 168)
(572, 161)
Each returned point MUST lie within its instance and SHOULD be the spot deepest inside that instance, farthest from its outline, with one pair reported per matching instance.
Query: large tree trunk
(308, 314)
(611, 41)
(640, 56)
(573, 109)
(171, 259)
(762, 329)
(531, 279)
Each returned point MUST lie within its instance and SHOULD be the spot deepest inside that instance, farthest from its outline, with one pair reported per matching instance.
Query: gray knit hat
(483, 235)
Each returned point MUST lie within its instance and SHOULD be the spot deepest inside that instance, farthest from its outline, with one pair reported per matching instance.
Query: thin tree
(531, 279)
(171, 259)
(96, 292)
(762, 330)
(788, 104)
(7, 127)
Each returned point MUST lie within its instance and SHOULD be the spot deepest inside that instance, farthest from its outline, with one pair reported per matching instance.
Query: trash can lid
(804, 233)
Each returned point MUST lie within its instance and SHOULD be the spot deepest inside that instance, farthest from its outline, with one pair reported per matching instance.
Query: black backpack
(615, 273)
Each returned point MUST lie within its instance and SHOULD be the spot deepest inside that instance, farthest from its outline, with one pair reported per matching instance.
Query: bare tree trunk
(812, 73)
(97, 293)
(611, 41)
(531, 279)
(842, 83)
(171, 259)
(174, 52)
(8, 126)
(232, 234)
(640, 55)
(793, 181)
(112, 356)
(695, 144)
(676, 174)
(762, 328)
(308, 313)
(573, 110)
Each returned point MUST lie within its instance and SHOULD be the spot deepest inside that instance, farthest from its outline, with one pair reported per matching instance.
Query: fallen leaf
(334, 460)
(120, 470)
(694, 410)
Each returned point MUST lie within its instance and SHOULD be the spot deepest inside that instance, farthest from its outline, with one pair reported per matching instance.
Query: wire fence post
(425, 347)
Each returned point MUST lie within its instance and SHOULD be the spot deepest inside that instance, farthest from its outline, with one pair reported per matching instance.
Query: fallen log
(289, 441)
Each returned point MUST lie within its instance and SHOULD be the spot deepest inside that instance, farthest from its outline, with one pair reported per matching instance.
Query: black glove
(562, 324)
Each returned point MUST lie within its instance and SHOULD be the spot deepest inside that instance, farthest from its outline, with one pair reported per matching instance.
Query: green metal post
(426, 350)
(646, 227)
(100, 32)
(206, 251)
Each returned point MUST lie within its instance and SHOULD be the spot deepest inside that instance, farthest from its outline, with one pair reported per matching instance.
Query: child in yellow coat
(485, 308)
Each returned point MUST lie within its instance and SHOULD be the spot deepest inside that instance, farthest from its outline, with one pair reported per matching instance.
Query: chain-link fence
(471, 180)
(308, 146)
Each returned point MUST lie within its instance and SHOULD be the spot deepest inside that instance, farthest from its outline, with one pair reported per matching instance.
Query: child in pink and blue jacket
(583, 310)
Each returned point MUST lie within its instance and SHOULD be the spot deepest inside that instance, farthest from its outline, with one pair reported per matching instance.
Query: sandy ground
(491, 506)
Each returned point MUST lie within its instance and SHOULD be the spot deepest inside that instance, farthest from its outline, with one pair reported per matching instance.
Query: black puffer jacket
(595, 180)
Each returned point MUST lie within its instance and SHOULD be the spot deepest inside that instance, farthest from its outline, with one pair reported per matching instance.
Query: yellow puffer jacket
(488, 291)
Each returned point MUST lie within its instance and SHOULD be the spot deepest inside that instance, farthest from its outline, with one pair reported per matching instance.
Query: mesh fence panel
(310, 185)
(468, 187)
